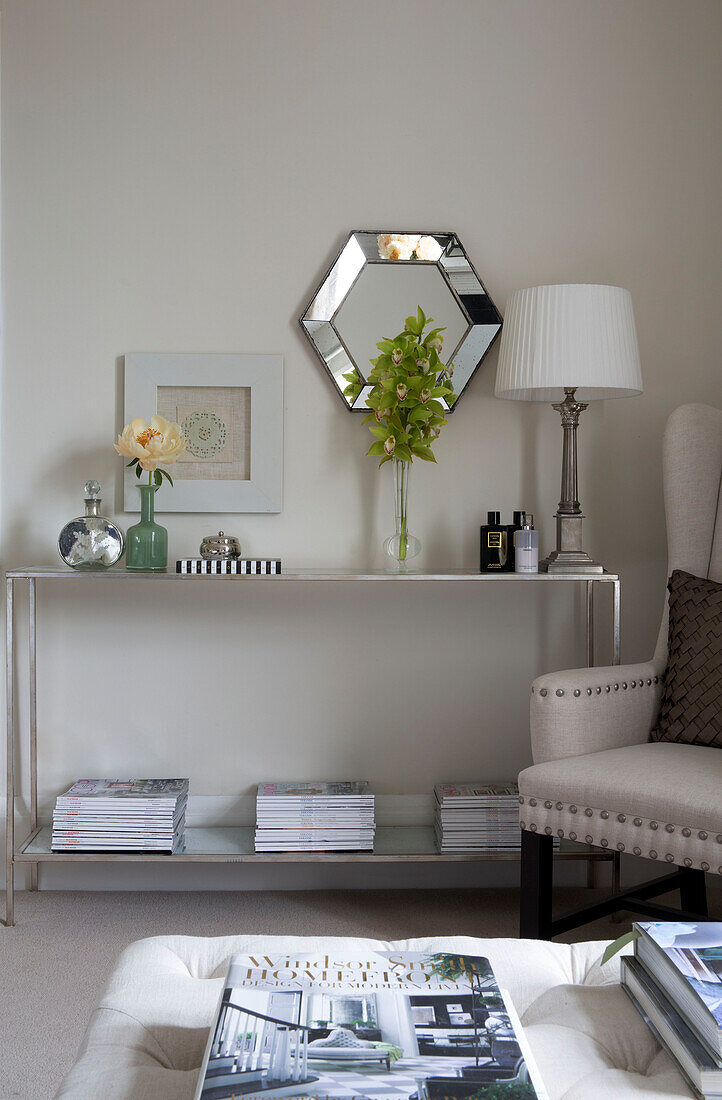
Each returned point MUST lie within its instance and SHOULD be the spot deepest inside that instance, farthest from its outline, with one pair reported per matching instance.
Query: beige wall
(176, 175)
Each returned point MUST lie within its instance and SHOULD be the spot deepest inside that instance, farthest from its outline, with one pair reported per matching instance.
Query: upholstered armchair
(597, 778)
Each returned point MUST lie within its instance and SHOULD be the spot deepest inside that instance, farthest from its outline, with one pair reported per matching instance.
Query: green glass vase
(146, 544)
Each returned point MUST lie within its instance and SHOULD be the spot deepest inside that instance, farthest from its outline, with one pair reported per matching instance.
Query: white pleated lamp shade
(577, 335)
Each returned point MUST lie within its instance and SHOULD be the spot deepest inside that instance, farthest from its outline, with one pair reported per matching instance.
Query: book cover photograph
(696, 951)
(382, 1025)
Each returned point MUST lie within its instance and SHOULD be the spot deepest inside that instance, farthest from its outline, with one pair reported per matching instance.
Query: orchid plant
(150, 445)
(408, 381)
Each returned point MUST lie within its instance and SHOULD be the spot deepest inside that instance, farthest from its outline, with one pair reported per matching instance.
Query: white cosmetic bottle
(526, 546)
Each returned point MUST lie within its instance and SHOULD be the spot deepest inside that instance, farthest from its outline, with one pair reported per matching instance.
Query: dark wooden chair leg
(693, 891)
(537, 860)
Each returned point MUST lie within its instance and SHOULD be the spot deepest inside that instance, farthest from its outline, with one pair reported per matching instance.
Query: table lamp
(577, 342)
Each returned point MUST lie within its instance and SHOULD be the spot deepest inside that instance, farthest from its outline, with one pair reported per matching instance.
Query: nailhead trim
(543, 692)
(560, 691)
(607, 688)
(599, 691)
(622, 819)
(589, 691)
(624, 686)
(634, 683)
(577, 693)
(616, 687)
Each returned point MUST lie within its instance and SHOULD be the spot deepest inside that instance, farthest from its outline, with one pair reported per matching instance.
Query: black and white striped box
(241, 567)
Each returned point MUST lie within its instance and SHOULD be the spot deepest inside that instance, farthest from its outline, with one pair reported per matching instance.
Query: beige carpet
(55, 961)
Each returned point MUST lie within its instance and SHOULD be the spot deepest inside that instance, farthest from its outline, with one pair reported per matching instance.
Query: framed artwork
(230, 408)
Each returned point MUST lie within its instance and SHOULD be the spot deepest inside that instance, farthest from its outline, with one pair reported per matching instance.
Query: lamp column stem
(569, 556)
(570, 410)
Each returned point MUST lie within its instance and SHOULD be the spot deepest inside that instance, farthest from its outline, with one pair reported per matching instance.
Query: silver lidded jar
(91, 541)
(220, 547)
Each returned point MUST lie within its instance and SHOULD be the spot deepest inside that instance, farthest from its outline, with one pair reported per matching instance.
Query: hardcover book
(685, 959)
(702, 1071)
(383, 1025)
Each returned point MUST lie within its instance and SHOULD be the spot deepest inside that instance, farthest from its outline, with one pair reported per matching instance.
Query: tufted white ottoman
(146, 1038)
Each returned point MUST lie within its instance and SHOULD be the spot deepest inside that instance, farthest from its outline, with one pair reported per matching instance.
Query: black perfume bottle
(494, 557)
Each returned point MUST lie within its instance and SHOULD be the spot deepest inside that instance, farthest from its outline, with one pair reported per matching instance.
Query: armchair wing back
(692, 474)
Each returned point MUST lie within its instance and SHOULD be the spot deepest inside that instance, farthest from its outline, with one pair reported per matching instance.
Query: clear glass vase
(146, 544)
(401, 546)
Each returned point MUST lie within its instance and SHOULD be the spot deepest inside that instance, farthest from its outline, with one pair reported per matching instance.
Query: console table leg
(591, 874)
(617, 656)
(33, 712)
(590, 624)
(10, 788)
(617, 884)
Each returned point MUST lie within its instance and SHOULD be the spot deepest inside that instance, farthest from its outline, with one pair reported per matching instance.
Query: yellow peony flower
(154, 444)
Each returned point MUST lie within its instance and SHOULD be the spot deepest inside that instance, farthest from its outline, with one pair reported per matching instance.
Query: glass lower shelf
(235, 845)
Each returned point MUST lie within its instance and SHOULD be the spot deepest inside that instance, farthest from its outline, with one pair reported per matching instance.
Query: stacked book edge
(674, 980)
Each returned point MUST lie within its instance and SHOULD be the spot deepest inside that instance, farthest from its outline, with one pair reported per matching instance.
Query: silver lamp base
(569, 557)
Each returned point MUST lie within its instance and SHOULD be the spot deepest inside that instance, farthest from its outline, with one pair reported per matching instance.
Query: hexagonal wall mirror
(377, 280)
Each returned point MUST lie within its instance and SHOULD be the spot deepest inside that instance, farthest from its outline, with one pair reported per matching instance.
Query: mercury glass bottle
(401, 546)
(91, 541)
(147, 542)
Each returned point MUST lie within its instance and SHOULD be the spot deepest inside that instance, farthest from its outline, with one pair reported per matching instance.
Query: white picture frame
(262, 489)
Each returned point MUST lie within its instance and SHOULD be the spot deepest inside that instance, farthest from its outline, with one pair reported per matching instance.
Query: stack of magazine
(675, 980)
(314, 817)
(108, 815)
(383, 1024)
(476, 817)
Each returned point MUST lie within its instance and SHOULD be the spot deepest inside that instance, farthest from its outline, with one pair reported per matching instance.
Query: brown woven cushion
(691, 709)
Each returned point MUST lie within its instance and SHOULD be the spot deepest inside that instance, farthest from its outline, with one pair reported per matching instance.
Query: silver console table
(235, 845)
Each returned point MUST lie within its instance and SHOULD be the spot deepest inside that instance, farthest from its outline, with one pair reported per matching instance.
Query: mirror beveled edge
(318, 320)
